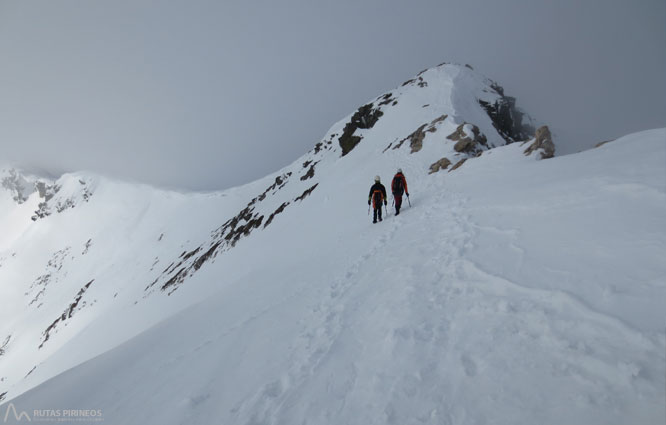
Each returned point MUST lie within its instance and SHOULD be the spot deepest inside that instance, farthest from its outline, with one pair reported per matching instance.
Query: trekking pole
(408, 201)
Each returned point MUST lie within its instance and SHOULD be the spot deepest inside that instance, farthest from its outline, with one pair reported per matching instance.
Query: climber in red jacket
(398, 187)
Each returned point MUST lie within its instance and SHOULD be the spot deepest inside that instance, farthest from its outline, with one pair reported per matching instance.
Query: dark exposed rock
(5, 344)
(67, 314)
(600, 144)
(45, 208)
(458, 164)
(310, 173)
(53, 266)
(419, 80)
(234, 230)
(543, 142)
(306, 193)
(87, 247)
(171, 267)
(436, 121)
(399, 144)
(468, 143)
(3, 395)
(176, 279)
(386, 99)
(416, 138)
(499, 89)
(206, 255)
(365, 117)
(276, 212)
(190, 254)
(225, 237)
(155, 262)
(506, 118)
(442, 164)
(279, 183)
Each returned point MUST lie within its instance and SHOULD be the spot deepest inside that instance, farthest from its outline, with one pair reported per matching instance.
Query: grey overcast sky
(203, 94)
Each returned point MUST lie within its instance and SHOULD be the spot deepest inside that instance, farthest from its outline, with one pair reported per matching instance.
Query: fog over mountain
(207, 95)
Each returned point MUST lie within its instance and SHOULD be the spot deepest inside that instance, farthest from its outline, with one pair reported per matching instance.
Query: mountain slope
(500, 296)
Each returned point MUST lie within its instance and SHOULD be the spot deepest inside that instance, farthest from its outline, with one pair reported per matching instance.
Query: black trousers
(377, 213)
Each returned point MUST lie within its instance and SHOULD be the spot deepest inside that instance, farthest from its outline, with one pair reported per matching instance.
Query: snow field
(513, 291)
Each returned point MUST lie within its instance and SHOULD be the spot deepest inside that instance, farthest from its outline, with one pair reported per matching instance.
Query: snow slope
(512, 290)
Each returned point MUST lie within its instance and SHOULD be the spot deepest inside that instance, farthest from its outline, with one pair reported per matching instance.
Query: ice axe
(410, 204)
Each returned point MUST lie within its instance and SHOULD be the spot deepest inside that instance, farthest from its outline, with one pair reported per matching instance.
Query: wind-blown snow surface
(512, 291)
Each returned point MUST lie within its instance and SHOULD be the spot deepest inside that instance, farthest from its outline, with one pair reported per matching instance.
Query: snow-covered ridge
(279, 302)
(91, 218)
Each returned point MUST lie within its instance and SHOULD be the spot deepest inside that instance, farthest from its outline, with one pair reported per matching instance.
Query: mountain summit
(517, 289)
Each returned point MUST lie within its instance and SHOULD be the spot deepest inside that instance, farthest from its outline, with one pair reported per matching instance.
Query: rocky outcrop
(543, 142)
(416, 138)
(442, 164)
(418, 81)
(17, 185)
(226, 236)
(311, 171)
(468, 138)
(67, 314)
(365, 117)
(4, 345)
(506, 117)
(61, 203)
(458, 164)
(279, 210)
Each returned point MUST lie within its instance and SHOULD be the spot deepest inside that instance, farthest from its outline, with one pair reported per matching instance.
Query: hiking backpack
(397, 185)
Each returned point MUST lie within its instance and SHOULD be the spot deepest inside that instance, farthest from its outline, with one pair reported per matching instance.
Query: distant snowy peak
(447, 91)
(16, 184)
(56, 196)
(445, 115)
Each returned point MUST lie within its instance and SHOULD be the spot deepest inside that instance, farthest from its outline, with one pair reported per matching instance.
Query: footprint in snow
(469, 365)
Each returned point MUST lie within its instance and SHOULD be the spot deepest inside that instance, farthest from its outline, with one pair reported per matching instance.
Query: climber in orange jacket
(377, 196)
